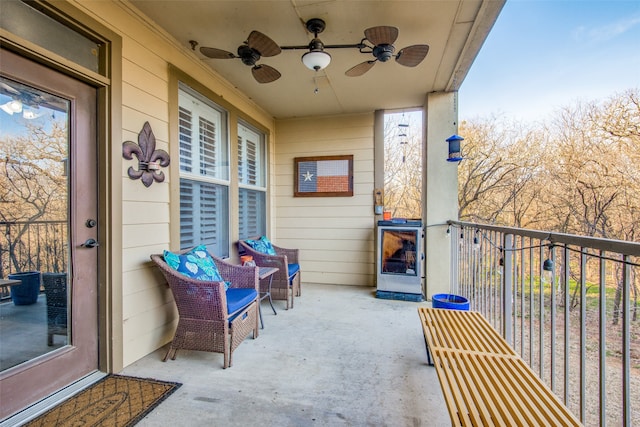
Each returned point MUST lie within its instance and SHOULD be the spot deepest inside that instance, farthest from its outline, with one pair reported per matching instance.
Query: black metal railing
(568, 304)
(32, 246)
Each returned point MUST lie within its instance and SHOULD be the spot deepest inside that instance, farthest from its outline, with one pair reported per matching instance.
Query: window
(204, 173)
(252, 182)
(42, 26)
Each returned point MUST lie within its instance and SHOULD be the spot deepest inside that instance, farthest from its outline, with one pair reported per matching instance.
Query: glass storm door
(48, 223)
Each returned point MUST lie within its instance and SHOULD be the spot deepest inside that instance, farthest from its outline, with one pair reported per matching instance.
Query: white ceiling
(454, 30)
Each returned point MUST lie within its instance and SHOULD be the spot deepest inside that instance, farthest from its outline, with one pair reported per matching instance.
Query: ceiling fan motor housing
(316, 45)
(383, 52)
(247, 55)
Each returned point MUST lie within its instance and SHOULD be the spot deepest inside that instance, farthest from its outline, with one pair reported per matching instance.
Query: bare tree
(32, 186)
(495, 178)
(579, 174)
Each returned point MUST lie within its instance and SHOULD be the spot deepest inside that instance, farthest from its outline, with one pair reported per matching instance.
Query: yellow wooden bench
(484, 381)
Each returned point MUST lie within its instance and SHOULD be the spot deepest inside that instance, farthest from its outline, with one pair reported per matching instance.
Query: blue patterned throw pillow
(263, 244)
(197, 264)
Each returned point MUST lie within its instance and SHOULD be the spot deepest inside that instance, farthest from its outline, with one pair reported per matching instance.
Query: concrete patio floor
(341, 357)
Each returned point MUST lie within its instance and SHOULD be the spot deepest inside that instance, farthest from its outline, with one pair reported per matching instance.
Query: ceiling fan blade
(265, 74)
(214, 53)
(411, 56)
(263, 44)
(359, 69)
(5, 88)
(381, 35)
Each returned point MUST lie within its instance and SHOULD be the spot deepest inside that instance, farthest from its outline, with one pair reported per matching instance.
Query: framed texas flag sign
(326, 176)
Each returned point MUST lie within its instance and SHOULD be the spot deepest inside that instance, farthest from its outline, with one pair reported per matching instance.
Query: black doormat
(115, 400)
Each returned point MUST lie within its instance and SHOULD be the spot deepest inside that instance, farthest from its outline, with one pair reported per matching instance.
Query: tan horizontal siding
(328, 277)
(356, 256)
(147, 329)
(334, 234)
(133, 189)
(334, 239)
(337, 227)
(138, 212)
(137, 258)
(327, 212)
(132, 123)
(346, 246)
(143, 234)
(297, 236)
(144, 301)
(142, 101)
(147, 279)
(144, 79)
(344, 266)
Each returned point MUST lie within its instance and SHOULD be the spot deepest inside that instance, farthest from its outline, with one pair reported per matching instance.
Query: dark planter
(450, 301)
(27, 292)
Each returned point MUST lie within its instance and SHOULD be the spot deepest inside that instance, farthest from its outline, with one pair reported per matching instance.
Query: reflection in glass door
(33, 221)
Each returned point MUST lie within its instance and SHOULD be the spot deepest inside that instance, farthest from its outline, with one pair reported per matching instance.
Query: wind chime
(402, 134)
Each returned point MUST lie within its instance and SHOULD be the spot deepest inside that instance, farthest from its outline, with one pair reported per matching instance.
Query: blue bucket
(450, 301)
(27, 292)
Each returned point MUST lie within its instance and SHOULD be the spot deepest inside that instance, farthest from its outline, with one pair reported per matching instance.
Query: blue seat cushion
(293, 269)
(239, 298)
(263, 244)
(196, 264)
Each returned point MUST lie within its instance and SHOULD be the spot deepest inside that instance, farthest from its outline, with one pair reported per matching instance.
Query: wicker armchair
(210, 318)
(287, 280)
(55, 291)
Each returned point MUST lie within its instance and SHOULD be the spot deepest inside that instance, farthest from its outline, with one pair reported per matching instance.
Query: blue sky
(545, 54)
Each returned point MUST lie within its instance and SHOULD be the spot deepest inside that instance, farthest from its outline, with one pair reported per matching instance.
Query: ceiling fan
(256, 46)
(377, 41)
(21, 99)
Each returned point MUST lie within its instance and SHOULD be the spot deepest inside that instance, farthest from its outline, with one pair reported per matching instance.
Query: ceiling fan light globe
(13, 106)
(316, 60)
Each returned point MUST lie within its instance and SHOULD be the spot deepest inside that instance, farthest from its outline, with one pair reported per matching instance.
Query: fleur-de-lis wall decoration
(149, 159)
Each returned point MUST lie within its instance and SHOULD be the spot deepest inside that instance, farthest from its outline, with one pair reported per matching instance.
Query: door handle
(90, 243)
